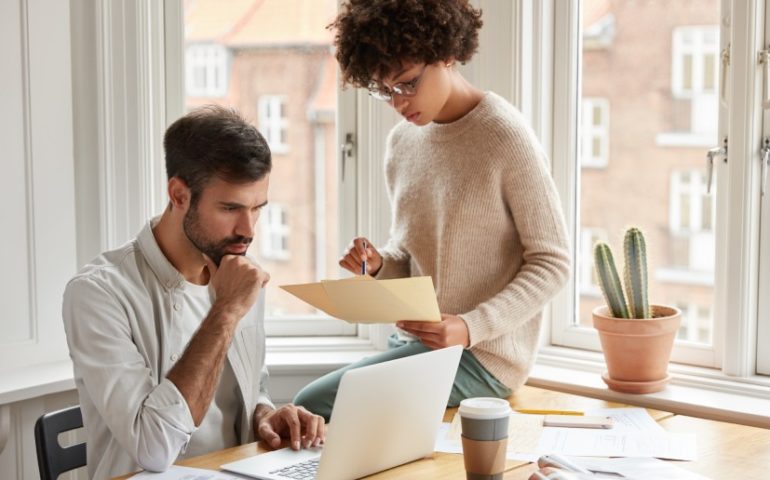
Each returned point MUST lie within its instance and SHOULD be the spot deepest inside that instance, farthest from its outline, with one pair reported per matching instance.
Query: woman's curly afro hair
(375, 37)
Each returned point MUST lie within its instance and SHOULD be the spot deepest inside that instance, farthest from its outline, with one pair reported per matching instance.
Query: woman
(474, 205)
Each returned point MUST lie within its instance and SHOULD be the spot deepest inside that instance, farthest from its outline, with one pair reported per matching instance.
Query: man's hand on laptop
(303, 428)
(451, 330)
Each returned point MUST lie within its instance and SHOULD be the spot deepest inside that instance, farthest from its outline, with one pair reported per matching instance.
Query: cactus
(607, 276)
(635, 277)
(635, 274)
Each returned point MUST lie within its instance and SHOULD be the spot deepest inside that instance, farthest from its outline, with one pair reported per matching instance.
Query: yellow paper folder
(363, 299)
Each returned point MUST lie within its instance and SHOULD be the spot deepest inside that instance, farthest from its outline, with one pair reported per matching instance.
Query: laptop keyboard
(299, 471)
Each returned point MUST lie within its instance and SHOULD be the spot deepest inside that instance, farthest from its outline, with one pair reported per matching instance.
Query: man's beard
(215, 250)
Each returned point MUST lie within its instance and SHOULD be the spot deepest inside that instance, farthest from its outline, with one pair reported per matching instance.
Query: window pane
(282, 54)
(651, 179)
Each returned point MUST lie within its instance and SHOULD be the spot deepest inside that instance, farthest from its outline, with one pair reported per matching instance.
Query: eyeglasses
(404, 89)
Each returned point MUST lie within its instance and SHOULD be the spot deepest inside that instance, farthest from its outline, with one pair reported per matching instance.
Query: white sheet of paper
(629, 419)
(523, 435)
(446, 443)
(638, 468)
(635, 434)
(609, 443)
(175, 472)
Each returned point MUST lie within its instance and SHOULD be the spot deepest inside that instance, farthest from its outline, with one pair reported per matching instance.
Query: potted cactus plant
(636, 337)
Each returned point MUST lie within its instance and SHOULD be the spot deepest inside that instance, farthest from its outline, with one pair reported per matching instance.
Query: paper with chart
(634, 434)
(608, 443)
(362, 299)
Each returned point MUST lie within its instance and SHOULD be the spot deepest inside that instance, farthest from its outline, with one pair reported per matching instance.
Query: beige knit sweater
(474, 207)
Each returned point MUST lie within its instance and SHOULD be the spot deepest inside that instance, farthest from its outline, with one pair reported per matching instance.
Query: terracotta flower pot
(637, 351)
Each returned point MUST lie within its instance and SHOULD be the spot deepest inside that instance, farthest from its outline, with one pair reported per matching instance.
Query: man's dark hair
(214, 141)
(374, 37)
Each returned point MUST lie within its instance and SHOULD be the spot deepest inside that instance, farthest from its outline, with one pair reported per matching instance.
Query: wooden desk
(725, 450)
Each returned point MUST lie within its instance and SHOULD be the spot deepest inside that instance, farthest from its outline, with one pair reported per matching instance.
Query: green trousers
(472, 379)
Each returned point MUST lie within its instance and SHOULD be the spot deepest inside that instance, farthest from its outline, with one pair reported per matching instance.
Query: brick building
(272, 60)
(649, 114)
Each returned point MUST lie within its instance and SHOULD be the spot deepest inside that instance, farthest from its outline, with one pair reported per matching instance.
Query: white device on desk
(384, 415)
(577, 421)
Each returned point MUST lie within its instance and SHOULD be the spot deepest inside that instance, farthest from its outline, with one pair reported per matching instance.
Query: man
(166, 333)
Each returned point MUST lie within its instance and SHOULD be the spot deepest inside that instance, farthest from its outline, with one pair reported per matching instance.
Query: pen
(363, 264)
(548, 412)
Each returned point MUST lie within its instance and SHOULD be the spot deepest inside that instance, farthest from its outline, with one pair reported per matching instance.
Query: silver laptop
(384, 415)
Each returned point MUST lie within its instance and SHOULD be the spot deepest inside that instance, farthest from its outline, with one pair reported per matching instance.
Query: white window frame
(214, 59)
(590, 132)
(272, 124)
(763, 307)
(737, 272)
(565, 329)
(273, 232)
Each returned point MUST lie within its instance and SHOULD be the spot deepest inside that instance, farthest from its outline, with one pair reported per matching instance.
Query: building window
(695, 73)
(595, 132)
(589, 237)
(274, 233)
(273, 122)
(696, 323)
(206, 70)
(692, 217)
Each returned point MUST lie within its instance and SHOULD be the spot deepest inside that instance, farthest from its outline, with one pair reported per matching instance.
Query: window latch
(714, 152)
(346, 151)
(724, 65)
(764, 60)
(765, 159)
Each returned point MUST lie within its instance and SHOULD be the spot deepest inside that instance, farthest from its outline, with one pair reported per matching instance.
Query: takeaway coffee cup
(484, 436)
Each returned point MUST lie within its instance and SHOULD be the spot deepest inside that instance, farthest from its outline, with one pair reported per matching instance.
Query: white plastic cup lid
(484, 407)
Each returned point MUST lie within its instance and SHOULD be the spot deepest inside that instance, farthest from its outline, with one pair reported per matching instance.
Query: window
(274, 233)
(696, 323)
(694, 77)
(656, 187)
(273, 122)
(595, 132)
(206, 74)
(692, 217)
(275, 65)
(589, 237)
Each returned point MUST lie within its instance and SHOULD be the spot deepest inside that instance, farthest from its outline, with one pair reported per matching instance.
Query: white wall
(37, 206)
(38, 194)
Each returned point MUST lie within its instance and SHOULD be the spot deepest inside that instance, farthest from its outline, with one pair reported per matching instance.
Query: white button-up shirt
(128, 317)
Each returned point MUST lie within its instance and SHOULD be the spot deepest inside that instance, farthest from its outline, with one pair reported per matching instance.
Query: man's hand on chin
(303, 428)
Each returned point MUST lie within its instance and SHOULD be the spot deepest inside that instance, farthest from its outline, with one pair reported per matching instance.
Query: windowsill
(286, 355)
(693, 391)
(20, 384)
(303, 355)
